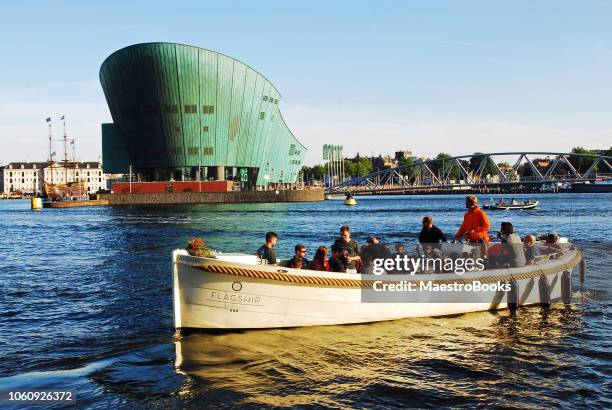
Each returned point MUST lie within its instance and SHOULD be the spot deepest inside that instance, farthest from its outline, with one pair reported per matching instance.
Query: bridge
(480, 171)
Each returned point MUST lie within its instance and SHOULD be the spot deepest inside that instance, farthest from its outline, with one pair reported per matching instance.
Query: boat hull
(214, 294)
(510, 207)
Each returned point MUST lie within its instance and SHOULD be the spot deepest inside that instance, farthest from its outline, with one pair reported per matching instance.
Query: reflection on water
(86, 305)
(416, 362)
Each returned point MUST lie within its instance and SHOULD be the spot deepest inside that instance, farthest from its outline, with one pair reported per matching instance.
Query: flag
(48, 119)
(72, 141)
(62, 117)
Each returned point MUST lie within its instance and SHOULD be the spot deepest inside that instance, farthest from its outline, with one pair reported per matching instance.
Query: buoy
(583, 272)
(512, 296)
(36, 203)
(350, 201)
(544, 291)
(566, 287)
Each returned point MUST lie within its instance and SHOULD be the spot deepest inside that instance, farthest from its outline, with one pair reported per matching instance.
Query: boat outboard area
(244, 291)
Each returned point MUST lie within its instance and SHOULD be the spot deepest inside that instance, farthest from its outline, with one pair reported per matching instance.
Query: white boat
(514, 205)
(232, 291)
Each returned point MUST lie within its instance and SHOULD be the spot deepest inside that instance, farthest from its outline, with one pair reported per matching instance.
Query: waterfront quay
(296, 195)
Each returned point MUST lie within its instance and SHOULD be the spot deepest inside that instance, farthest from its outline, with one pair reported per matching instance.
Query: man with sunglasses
(299, 260)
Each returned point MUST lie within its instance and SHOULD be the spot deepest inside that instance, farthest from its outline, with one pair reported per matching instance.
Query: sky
(373, 76)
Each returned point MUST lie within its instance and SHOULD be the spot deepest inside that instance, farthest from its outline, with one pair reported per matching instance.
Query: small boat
(232, 291)
(512, 205)
(350, 200)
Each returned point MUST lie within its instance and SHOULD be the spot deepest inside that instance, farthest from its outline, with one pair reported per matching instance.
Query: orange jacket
(475, 219)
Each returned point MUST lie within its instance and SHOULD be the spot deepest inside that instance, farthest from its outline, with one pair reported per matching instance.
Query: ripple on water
(87, 305)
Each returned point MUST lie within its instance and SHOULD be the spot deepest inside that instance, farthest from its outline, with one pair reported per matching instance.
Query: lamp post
(130, 179)
(200, 178)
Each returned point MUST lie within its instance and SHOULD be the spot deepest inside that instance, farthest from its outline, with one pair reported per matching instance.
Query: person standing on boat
(299, 260)
(266, 251)
(351, 245)
(475, 227)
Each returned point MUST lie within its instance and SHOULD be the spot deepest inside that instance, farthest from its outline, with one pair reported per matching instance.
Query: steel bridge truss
(452, 172)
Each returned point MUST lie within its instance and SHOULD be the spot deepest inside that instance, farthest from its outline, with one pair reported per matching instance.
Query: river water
(86, 306)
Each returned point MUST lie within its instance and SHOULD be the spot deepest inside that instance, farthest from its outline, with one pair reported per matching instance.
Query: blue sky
(430, 76)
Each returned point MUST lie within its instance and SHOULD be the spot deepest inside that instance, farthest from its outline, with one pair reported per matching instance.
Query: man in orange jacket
(475, 226)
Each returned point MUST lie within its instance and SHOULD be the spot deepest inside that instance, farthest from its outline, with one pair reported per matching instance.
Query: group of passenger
(348, 256)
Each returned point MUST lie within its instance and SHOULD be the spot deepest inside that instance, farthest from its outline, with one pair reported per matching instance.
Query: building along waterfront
(183, 113)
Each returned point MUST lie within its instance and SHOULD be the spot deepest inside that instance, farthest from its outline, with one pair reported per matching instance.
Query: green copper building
(184, 112)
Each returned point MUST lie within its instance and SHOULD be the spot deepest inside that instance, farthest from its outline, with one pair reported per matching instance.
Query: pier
(297, 195)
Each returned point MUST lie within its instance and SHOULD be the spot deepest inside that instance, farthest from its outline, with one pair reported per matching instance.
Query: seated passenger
(299, 260)
(552, 245)
(266, 251)
(319, 262)
(373, 250)
(510, 251)
(400, 249)
(531, 250)
(339, 260)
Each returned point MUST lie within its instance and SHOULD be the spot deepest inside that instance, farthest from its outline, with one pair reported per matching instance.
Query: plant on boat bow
(197, 247)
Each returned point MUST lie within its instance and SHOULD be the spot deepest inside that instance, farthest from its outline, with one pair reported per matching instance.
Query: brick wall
(308, 195)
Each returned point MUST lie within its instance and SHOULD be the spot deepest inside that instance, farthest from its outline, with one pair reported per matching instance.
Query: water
(86, 306)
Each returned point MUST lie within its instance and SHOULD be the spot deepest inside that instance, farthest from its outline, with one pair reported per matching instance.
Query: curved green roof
(175, 105)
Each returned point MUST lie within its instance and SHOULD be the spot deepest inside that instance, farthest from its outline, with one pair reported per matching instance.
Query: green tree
(580, 163)
(363, 166)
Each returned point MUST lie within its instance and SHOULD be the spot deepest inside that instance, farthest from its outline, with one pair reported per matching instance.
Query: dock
(303, 195)
(75, 204)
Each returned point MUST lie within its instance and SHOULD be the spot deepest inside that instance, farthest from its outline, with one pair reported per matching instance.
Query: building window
(205, 128)
(191, 109)
(208, 150)
(192, 150)
(265, 98)
(209, 109)
(262, 115)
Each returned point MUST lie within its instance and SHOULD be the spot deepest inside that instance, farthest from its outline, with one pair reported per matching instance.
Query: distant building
(29, 177)
(382, 162)
(403, 155)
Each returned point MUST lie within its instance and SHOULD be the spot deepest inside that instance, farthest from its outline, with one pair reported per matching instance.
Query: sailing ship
(67, 190)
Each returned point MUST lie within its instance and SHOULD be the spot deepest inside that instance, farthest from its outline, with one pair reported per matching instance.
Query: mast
(65, 150)
(50, 148)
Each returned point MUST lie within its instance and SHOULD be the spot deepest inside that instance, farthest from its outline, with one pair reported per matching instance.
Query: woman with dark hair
(319, 262)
